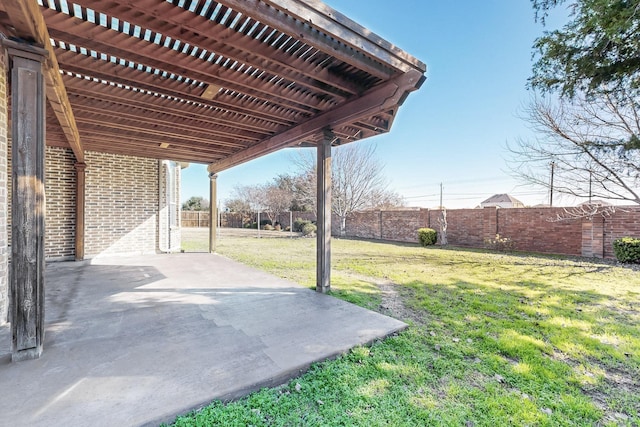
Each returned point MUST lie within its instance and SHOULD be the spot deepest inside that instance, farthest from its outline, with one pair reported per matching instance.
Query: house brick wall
(60, 189)
(121, 208)
(60, 181)
(4, 136)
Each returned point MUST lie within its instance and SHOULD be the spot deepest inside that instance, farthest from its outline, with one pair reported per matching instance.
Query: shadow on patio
(138, 340)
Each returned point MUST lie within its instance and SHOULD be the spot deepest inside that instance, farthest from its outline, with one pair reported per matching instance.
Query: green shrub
(299, 224)
(627, 249)
(499, 243)
(309, 229)
(427, 236)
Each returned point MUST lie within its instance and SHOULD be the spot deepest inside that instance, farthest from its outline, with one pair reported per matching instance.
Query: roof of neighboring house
(218, 82)
(502, 198)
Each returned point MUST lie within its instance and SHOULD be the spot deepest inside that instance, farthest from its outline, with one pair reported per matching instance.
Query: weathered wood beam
(323, 203)
(80, 201)
(376, 100)
(26, 18)
(28, 199)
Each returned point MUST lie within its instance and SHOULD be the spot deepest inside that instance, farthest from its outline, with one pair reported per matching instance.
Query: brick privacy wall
(60, 190)
(536, 230)
(4, 136)
(121, 204)
(531, 229)
(464, 226)
(625, 222)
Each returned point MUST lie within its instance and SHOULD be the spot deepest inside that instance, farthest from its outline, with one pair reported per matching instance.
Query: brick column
(593, 237)
(489, 223)
(4, 132)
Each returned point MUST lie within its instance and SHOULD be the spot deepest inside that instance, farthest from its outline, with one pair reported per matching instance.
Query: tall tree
(593, 144)
(196, 203)
(358, 181)
(597, 50)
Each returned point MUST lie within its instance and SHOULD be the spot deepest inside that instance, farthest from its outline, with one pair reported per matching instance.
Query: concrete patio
(138, 340)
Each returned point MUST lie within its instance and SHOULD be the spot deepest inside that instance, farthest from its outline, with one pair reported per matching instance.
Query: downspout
(162, 183)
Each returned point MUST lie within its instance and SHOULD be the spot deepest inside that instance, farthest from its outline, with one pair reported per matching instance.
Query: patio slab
(138, 340)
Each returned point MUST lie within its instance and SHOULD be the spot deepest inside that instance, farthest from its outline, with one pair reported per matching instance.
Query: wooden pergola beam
(376, 100)
(29, 25)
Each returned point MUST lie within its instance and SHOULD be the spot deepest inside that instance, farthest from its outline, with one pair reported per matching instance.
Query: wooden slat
(29, 24)
(264, 12)
(142, 80)
(207, 34)
(326, 19)
(74, 31)
(162, 105)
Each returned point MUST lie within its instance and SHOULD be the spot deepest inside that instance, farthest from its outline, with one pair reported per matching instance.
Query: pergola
(213, 82)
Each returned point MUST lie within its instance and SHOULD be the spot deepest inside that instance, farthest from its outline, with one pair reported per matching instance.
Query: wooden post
(323, 246)
(80, 192)
(213, 214)
(28, 199)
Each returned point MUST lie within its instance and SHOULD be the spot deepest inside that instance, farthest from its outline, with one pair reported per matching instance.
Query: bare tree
(358, 181)
(594, 144)
(276, 200)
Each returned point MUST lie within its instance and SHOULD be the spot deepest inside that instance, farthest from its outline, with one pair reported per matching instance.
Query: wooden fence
(195, 218)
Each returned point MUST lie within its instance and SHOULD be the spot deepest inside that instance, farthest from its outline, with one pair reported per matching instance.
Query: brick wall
(60, 189)
(625, 222)
(4, 132)
(121, 204)
(60, 181)
(531, 229)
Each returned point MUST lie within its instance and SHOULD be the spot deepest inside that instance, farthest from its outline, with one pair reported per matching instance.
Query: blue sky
(454, 130)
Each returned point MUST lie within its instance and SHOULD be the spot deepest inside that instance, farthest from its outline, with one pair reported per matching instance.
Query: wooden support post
(213, 211)
(80, 192)
(28, 199)
(323, 246)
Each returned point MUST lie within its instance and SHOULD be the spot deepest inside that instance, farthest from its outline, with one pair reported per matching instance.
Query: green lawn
(494, 339)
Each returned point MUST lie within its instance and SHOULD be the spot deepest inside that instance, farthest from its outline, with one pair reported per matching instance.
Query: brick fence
(530, 229)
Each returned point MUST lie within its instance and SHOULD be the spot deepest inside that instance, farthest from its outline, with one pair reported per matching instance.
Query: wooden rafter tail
(26, 18)
(379, 99)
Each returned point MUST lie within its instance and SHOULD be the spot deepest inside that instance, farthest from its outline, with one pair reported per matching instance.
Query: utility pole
(590, 182)
(440, 196)
(553, 166)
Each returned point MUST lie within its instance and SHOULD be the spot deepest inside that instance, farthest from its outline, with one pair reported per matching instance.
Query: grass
(494, 339)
